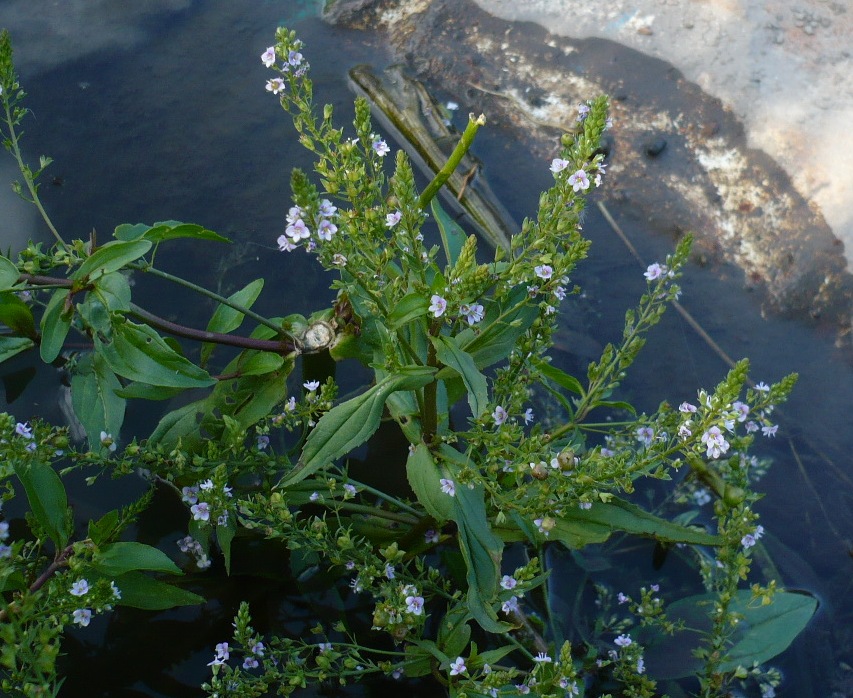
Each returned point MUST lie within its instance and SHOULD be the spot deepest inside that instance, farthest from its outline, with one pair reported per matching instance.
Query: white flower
(544, 271)
(391, 219)
(79, 588)
(82, 616)
(508, 582)
(448, 486)
(268, 57)
(655, 271)
(499, 415)
(623, 641)
(558, 165)
(458, 667)
(437, 305)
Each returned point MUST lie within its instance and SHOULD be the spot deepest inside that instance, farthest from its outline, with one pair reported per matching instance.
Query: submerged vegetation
(458, 576)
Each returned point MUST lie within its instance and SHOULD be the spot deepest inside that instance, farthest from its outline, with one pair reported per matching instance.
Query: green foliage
(459, 350)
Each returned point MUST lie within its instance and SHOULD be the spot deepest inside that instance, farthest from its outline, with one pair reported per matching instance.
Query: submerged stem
(453, 161)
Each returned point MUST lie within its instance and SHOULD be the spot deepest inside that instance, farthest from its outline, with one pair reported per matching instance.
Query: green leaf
(409, 307)
(16, 314)
(418, 661)
(579, 527)
(9, 274)
(182, 423)
(480, 547)
(141, 591)
(454, 633)
(260, 363)
(114, 291)
(127, 232)
(449, 353)
(561, 378)
(165, 230)
(173, 230)
(763, 633)
(424, 478)
(495, 655)
(11, 346)
(47, 498)
(143, 391)
(225, 319)
(95, 315)
(94, 398)
(500, 329)
(351, 423)
(616, 405)
(129, 556)
(224, 536)
(111, 257)
(452, 236)
(103, 529)
(54, 326)
(138, 353)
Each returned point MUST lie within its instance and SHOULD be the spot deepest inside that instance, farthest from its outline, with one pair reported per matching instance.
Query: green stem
(429, 415)
(453, 161)
(25, 171)
(383, 495)
(260, 319)
(378, 513)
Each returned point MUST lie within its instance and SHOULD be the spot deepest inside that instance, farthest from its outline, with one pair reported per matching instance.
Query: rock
(655, 147)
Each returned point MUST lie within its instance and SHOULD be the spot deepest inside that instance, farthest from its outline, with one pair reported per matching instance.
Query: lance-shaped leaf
(579, 527)
(480, 547)
(129, 556)
(353, 422)
(114, 291)
(500, 329)
(111, 257)
(409, 307)
(452, 236)
(166, 230)
(448, 352)
(139, 590)
(16, 314)
(10, 346)
(558, 376)
(47, 498)
(8, 274)
(225, 319)
(425, 476)
(138, 353)
(93, 395)
(54, 326)
(763, 632)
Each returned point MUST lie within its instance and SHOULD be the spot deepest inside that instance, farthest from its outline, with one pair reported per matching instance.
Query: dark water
(175, 124)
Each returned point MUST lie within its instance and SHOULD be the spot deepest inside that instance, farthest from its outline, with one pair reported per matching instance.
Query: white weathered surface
(783, 66)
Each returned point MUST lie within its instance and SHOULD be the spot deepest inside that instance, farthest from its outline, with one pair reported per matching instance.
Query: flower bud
(538, 470)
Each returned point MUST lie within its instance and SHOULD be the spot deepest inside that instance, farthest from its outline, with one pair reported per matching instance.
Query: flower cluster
(298, 231)
(209, 502)
(192, 547)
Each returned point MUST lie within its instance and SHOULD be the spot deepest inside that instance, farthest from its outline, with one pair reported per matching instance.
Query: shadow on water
(180, 128)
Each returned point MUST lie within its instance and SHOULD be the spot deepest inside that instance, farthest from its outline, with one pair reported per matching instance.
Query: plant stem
(158, 323)
(453, 161)
(27, 174)
(376, 512)
(260, 319)
(387, 497)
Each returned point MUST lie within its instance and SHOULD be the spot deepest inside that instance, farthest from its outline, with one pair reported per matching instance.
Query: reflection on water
(175, 124)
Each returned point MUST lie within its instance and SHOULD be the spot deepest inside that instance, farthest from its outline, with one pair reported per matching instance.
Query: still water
(161, 114)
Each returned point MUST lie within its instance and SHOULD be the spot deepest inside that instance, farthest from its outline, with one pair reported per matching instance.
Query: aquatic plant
(454, 578)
